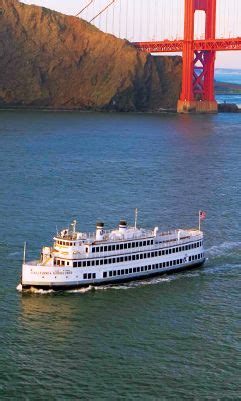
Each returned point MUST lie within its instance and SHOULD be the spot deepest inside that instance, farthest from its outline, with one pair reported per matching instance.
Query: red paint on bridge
(167, 46)
(198, 57)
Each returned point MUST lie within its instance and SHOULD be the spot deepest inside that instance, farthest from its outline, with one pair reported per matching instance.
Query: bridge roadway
(174, 46)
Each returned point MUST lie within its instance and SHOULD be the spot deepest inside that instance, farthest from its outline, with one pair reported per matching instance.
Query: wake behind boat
(79, 259)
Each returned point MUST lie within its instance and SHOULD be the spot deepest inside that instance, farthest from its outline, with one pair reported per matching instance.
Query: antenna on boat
(24, 252)
(74, 225)
(136, 216)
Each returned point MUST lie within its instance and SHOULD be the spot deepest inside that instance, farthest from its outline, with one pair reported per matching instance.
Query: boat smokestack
(99, 231)
(122, 226)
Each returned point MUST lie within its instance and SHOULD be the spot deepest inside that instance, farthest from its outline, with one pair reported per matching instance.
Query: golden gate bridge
(196, 28)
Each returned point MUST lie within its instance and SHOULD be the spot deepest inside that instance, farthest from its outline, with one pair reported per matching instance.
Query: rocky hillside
(56, 61)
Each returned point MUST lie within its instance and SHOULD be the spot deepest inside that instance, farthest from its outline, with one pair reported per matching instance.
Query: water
(175, 337)
(231, 76)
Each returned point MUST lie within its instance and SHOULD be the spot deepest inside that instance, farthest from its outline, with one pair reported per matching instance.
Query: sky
(155, 19)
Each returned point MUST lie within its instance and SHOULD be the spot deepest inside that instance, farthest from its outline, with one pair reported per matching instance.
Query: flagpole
(199, 220)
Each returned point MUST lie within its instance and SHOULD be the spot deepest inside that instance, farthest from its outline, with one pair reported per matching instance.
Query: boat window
(138, 269)
(101, 261)
(97, 262)
(130, 271)
(137, 257)
(85, 276)
(142, 268)
(167, 264)
(126, 271)
(126, 258)
(117, 247)
(114, 273)
(94, 275)
(149, 267)
(141, 256)
(110, 274)
(62, 263)
(122, 271)
(125, 246)
(101, 249)
(105, 248)
(113, 247)
(67, 263)
(129, 245)
(75, 264)
(89, 276)
(133, 244)
(118, 272)
(93, 263)
(97, 249)
(134, 270)
(93, 249)
(105, 261)
(105, 274)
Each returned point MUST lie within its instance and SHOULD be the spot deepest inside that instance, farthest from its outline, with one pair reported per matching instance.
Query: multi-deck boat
(105, 257)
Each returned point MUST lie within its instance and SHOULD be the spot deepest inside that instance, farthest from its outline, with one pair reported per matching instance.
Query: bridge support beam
(198, 66)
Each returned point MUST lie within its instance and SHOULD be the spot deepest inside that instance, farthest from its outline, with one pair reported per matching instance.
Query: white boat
(78, 259)
(127, 253)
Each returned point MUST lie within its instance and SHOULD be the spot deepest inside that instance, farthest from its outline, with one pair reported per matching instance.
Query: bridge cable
(102, 11)
(84, 8)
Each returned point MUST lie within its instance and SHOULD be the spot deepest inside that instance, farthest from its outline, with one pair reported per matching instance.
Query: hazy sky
(142, 23)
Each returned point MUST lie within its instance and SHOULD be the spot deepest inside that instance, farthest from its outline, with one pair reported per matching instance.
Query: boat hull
(117, 280)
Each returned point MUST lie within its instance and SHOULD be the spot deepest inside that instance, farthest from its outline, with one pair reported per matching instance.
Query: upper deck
(85, 246)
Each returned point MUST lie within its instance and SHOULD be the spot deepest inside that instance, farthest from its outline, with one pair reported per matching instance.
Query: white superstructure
(79, 259)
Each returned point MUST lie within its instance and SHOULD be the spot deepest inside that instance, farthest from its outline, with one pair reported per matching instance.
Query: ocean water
(174, 337)
(231, 76)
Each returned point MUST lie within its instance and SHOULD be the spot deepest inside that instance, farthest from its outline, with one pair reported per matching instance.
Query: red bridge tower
(198, 66)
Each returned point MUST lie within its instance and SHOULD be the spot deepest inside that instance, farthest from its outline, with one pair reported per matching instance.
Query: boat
(78, 259)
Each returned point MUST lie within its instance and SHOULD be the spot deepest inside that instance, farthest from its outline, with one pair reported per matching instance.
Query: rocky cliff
(56, 61)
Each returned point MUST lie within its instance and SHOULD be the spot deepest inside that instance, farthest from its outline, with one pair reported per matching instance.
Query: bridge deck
(177, 45)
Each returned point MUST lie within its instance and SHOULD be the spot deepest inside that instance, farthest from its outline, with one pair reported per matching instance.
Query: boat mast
(136, 216)
(24, 252)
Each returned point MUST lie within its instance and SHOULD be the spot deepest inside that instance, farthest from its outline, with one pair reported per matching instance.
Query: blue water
(231, 76)
(175, 337)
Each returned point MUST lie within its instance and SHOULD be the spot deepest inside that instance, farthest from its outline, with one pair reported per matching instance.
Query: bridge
(196, 28)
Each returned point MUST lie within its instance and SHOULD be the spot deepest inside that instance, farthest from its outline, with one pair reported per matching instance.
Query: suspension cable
(102, 11)
(84, 8)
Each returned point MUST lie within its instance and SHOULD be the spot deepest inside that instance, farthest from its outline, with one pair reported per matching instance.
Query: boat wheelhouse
(127, 253)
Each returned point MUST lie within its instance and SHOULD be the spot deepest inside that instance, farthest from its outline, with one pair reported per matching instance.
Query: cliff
(50, 60)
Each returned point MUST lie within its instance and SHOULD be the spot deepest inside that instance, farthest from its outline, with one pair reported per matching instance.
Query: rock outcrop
(50, 60)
